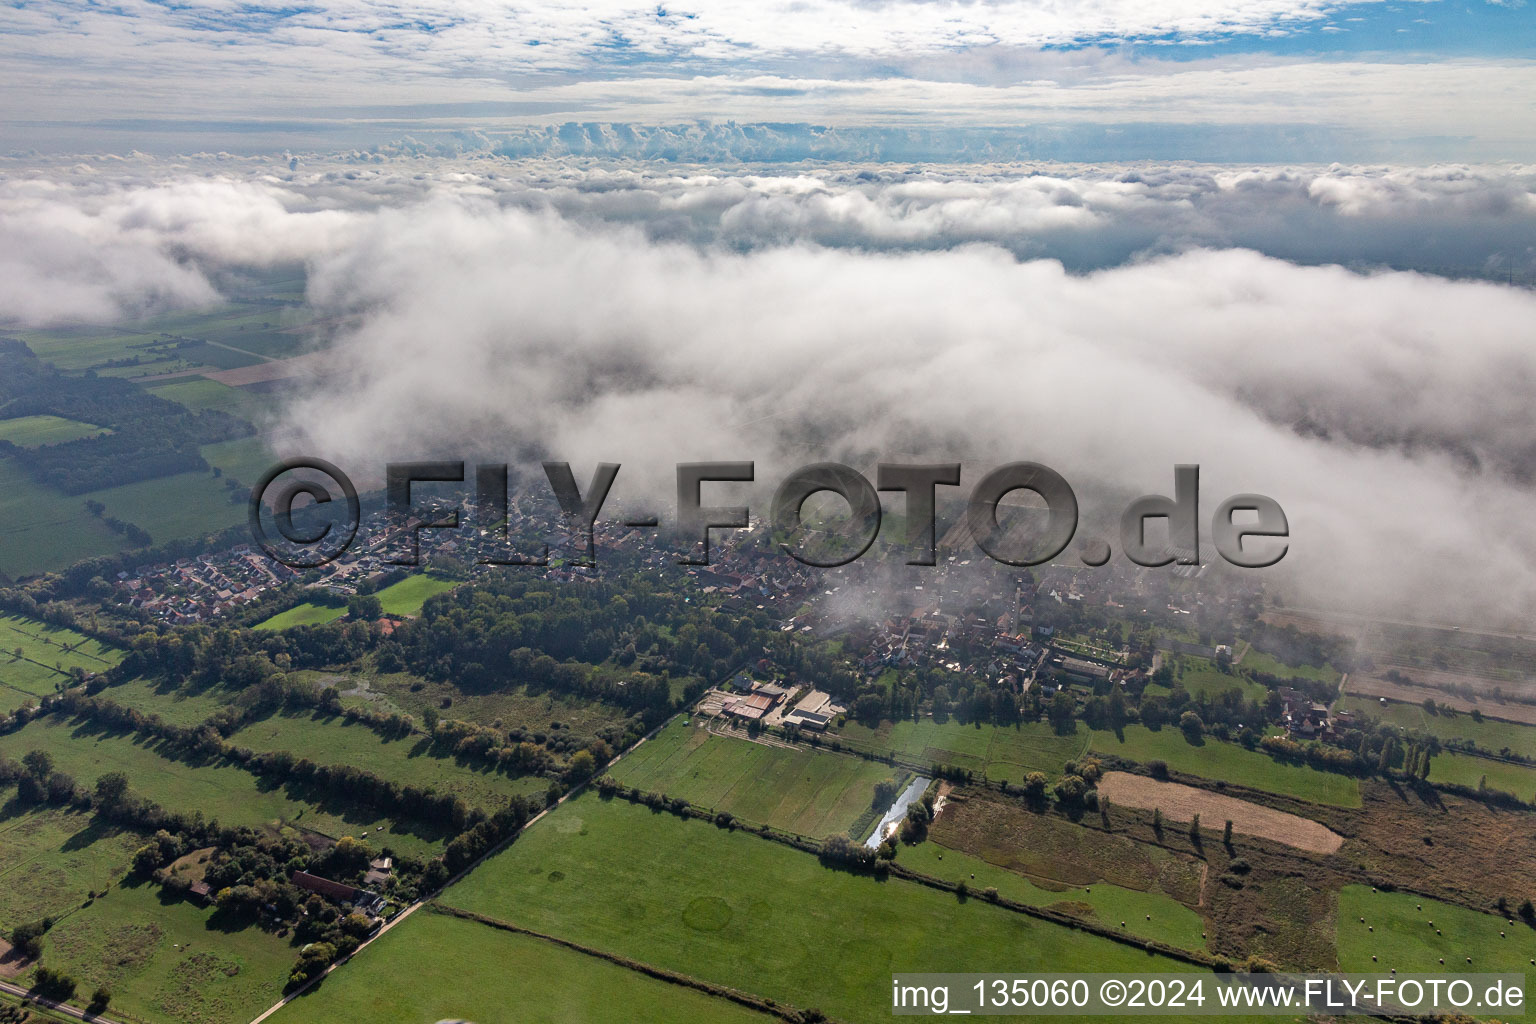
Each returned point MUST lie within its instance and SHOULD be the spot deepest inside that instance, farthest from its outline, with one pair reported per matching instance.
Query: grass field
(43, 529)
(31, 431)
(1201, 676)
(80, 348)
(1489, 734)
(199, 393)
(1257, 661)
(173, 507)
(517, 706)
(306, 614)
(1467, 770)
(244, 460)
(1002, 752)
(176, 706)
(334, 740)
(1228, 762)
(515, 977)
(47, 655)
(1170, 921)
(813, 793)
(737, 910)
(169, 960)
(1404, 938)
(407, 596)
(220, 791)
(52, 858)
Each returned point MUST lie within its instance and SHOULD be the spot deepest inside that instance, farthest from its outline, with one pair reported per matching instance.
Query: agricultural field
(244, 460)
(1489, 734)
(515, 977)
(1002, 752)
(173, 507)
(715, 904)
(1228, 762)
(169, 960)
(46, 655)
(1468, 770)
(219, 790)
(1180, 803)
(813, 793)
(406, 597)
(408, 761)
(42, 529)
(1405, 939)
(305, 614)
(32, 431)
(52, 858)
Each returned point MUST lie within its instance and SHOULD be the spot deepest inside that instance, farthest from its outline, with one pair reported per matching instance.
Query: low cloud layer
(650, 317)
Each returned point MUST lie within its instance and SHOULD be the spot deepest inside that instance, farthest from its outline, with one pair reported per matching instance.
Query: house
(807, 720)
(362, 899)
(201, 892)
(378, 871)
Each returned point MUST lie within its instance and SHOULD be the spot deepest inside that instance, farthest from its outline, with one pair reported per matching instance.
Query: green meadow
(306, 614)
(52, 858)
(1468, 770)
(1411, 934)
(408, 761)
(734, 909)
(496, 976)
(1002, 752)
(169, 960)
(1228, 762)
(814, 793)
(218, 789)
(407, 596)
(32, 431)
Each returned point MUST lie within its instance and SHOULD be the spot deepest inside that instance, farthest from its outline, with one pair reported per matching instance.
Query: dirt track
(1181, 803)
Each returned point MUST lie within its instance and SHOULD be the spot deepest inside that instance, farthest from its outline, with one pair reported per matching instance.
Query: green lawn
(1403, 937)
(31, 431)
(813, 793)
(1201, 676)
(174, 507)
(169, 960)
(1229, 762)
(1171, 921)
(47, 654)
(1467, 770)
(199, 393)
(1257, 661)
(334, 740)
(220, 791)
(174, 705)
(43, 529)
(737, 910)
(1489, 734)
(51, 858)
(496, 976)
(1002, 752)
(407, 596)
(306, 614)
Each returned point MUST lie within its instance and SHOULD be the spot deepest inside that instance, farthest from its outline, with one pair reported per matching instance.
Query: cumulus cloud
(1110, 322)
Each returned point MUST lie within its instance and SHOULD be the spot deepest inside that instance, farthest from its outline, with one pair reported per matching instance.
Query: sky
(1216, 80)
(1291, 241)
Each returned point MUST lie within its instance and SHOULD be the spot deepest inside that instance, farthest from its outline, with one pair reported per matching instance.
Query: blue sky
(1420, 80)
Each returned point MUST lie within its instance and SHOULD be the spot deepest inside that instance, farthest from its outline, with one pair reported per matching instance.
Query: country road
(64, 1008)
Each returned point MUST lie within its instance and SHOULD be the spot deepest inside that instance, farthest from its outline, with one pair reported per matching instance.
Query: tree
(582, 765)
(885, 792)
(364, 607)
(1191, 726)
(38, 763)
(1226, 833)
(111, 788)
(99, 1000)
(1194, 830)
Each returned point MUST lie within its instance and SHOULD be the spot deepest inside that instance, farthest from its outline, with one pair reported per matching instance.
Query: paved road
(64, 1008)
